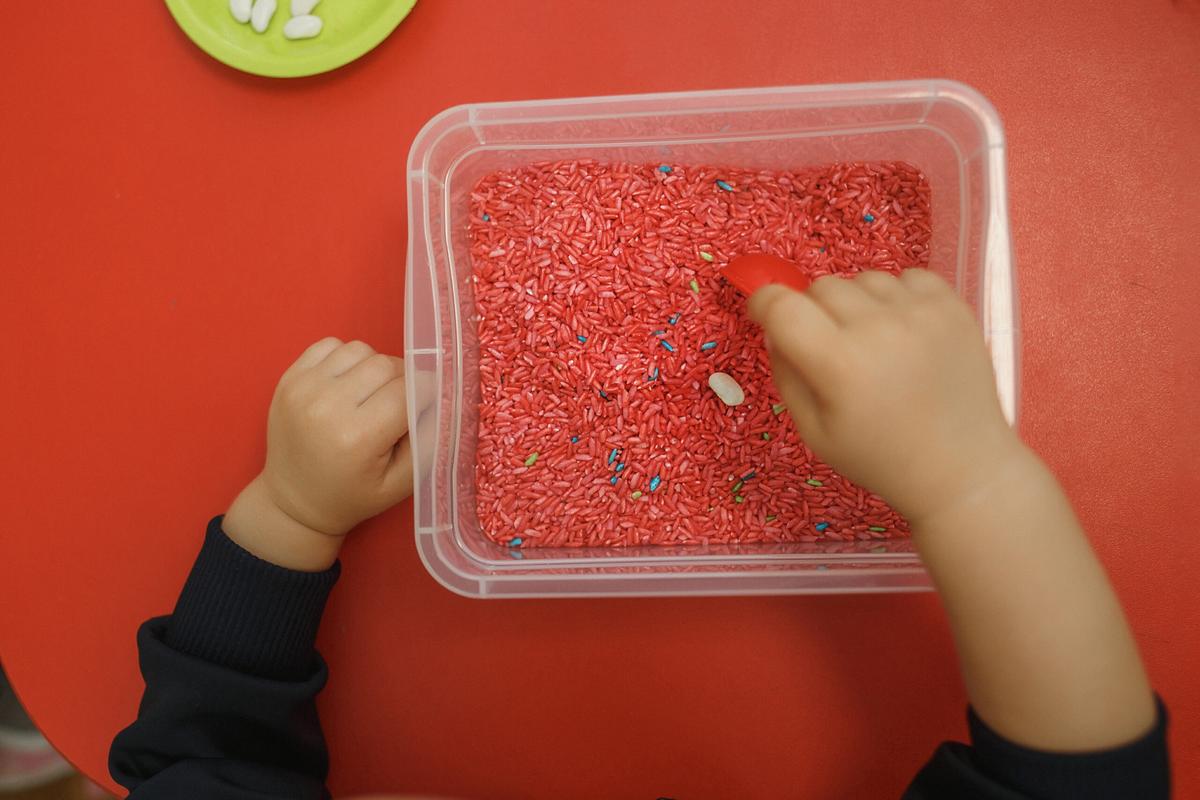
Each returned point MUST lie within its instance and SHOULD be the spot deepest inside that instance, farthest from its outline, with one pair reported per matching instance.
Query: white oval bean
(260, 17)
(726, 388)
(240, 10)
(302, 7)
(305, 27)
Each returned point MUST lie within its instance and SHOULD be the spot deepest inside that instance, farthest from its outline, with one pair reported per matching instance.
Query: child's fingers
(367, 376)
(386, 411)
(799, 330)
(883, 286)
(398, 478)
(314, 354)
(343, 358)
(801, 403)
(923, 281)
(842, 299)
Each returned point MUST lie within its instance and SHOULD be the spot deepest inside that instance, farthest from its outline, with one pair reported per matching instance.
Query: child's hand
(888, 380)
(337, 453)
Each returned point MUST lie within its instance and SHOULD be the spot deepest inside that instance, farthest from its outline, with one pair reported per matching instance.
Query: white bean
(260, 17)
(302, 7)
(305, 27)
(240, 10)
(726, 388)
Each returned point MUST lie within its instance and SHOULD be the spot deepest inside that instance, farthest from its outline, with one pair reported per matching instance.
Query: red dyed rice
(607, 252)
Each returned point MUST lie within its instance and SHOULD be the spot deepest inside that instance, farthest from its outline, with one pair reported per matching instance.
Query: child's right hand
(888, 380)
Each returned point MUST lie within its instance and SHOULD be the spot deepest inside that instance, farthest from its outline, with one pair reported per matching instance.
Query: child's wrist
(257, 524)
(993, 465)
(1005, 478)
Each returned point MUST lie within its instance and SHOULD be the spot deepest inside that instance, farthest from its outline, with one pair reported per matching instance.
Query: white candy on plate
(260, 16)
(240, 10)
(726, 388)
(303, 7)
(305, 27)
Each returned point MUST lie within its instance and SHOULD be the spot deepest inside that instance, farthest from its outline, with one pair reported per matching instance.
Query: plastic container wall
(946, 129)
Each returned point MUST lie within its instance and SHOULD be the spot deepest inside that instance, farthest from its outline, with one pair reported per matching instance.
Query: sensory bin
(602, 314)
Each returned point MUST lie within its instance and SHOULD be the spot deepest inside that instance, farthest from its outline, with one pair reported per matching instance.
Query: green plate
(352, 27)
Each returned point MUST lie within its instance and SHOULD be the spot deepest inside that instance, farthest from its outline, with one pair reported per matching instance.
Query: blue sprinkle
(708, 346)
(516, 554)
(868, 217)
(515, 541)
(725, 186)
(822, 526)
(613, 455)
(670, 347)
(658, 333)
(653, 375)
(654, 482)
(748, 475)
(620, 466)
(613, 479)
(664, 168)
(487, 218)
(822, 566)
(674, 318)
(574, 439)
(582, 339)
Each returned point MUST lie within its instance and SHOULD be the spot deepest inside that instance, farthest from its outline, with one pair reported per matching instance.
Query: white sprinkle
(260, 16)
(726, 388)
(302, 7)
(240, 10)
(305, 27)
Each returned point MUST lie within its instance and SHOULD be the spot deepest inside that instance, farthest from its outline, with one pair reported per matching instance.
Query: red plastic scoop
(751, 272)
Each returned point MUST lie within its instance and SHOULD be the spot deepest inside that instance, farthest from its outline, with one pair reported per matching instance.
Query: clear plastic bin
(946, 128)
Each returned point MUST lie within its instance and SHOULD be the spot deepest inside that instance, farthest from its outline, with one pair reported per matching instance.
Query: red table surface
(175, 232)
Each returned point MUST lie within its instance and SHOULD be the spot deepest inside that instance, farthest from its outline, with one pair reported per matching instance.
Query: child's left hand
(337, 453)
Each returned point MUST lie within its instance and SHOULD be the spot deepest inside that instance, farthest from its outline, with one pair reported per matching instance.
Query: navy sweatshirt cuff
(249, 615)
(1083, 775)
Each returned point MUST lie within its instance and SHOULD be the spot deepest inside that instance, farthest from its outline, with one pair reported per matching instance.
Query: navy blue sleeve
(993, 768)
(231, 680)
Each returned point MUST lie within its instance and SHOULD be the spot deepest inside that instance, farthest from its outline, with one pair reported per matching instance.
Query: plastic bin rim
(930, 89)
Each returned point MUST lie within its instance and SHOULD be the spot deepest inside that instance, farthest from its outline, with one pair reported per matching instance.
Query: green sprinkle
(706, 256)
(771, 517)
(879, 549)
(529, 462)
(877, 529)
(695, 286)
(636, 494)
(777, 408)
(766, 436)
(814, 482)
(737, 487)
(737, 498)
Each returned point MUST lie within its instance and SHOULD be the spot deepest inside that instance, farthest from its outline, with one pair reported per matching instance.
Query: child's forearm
(1047, 656)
